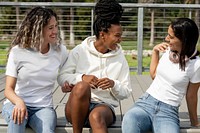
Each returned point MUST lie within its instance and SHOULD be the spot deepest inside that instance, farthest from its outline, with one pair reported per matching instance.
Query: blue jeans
(150, 114)
(40, 119)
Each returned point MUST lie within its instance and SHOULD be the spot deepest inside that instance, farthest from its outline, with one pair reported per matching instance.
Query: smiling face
(111, 38)
(174, 43)
(50, 31)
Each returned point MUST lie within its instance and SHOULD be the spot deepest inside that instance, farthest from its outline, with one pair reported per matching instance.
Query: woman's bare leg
(77, 107)
(100, 118)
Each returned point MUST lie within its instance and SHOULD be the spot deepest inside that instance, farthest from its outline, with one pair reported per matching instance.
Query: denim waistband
(147, 96)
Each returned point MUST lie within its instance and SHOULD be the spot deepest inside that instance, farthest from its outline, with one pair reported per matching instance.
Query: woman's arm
(154, 63)
(69, 70)
(20, 111)
(155, 58)
(122, 84)
(9, 89)
(192, 99)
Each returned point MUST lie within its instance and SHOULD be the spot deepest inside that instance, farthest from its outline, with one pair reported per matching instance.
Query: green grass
(126, 45)
(130, 45)
(133, 63)
(4, 44)
(3, 56)
(2, 71)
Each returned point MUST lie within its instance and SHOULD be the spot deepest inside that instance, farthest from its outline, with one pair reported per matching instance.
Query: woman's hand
(91, 79)
(105, 83)
(197, 125)
(19, 112)
(162, 47)
(67, 87)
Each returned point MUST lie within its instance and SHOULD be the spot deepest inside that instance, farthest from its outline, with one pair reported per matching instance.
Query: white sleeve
(64, 55)
(11, 67)
(196, 77)
(122, 88)
(68, 71)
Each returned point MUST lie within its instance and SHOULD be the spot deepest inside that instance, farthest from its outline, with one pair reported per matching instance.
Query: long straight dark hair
(187, 32)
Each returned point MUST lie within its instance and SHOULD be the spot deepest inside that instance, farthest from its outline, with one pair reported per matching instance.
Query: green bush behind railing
(126, 45)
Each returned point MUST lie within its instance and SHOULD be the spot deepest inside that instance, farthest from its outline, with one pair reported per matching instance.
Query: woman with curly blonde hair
(35, 57)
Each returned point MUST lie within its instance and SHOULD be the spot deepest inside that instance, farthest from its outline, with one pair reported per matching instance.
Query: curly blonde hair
(30, 33)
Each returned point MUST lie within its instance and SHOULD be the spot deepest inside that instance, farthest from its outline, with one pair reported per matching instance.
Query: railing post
(190, 14)
(71, 40)
(92, 21)
(140, 40)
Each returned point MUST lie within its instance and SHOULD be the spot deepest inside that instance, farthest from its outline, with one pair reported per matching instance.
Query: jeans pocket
(144, 96)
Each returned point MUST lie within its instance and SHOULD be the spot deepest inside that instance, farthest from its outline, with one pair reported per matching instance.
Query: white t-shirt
(170, 84)
(36, 73)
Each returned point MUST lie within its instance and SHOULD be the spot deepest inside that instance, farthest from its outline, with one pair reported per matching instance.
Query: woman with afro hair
(97, 73)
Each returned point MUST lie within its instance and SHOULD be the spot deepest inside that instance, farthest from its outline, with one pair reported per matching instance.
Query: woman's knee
(43, 120)
(101, 116)
(96, 119)
(129, 117)
(81, 90)
(95, 116)
(135, 116)
(136, 120)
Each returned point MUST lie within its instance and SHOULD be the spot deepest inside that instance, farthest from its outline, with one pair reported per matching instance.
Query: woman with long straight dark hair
(175, 74)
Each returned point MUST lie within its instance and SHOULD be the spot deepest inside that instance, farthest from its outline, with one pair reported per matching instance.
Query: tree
(197, 14)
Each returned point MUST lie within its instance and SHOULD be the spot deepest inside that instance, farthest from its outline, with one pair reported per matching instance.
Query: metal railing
(76, 21)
